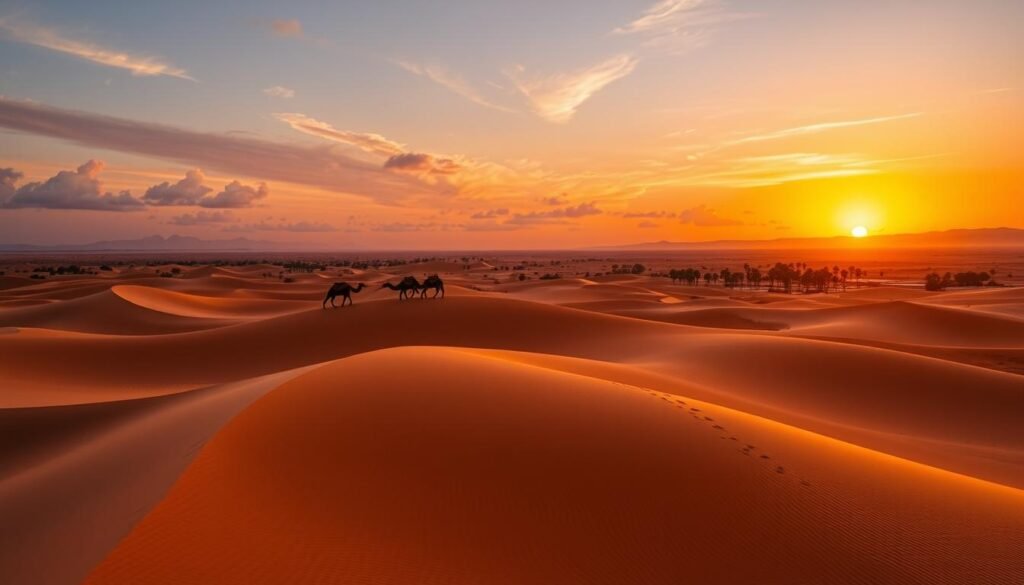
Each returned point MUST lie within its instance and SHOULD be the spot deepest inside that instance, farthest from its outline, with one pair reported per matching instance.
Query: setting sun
(859, 231)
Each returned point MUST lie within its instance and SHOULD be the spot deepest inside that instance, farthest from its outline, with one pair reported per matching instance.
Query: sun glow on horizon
(859, 231)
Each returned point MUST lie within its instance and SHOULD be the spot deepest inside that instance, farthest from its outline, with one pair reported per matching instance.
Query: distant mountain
(958, 238)
(173, 243)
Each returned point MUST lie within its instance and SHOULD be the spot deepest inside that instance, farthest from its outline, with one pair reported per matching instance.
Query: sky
(498, 125)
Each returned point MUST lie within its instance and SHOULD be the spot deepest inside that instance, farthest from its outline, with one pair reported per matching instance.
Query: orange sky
(679, 120)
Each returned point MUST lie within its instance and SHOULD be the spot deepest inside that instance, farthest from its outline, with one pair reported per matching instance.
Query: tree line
(781, 276)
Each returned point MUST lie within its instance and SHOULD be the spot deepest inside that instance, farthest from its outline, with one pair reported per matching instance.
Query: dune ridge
(601, 429)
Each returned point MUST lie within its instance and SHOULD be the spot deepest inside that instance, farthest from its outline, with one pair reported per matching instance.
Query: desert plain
(551, 419)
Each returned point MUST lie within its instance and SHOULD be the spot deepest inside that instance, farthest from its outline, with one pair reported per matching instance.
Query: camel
(408, 283)
(433, 282)
(344, 290)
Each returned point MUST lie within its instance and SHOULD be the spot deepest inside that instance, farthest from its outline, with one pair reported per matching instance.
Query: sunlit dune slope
(103, 312)
(837, 389)
(428, 465)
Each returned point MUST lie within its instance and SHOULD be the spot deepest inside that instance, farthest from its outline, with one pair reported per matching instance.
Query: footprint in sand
(780, 469)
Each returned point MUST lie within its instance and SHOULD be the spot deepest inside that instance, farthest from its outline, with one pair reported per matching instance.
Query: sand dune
(534, 431)
(206, 307)
(102, 312)
(347, 473)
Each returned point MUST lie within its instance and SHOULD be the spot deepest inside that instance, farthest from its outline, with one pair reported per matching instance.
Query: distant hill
(173, 243)
(958, 238)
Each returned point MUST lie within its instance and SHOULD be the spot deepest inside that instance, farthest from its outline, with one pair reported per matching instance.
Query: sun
(859, 231)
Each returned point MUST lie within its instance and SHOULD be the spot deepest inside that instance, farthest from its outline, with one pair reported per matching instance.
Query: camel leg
(332, 303)
(324, 305)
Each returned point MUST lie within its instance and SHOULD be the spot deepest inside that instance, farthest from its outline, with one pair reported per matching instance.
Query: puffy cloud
(421, 163)
(203, 218)
(704, 216)
(8, 178)
(235, 195)
(556, 215)
(54, 40)
(490, 213)
(78, 189)
(557, 97)
(315, 166)
(279, 91)
(188, 191)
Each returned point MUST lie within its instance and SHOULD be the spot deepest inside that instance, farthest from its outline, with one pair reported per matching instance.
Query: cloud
(280, 91)
(557, 97)
(648, 214)
(298, 227)
(286, 28)
(399, 226)
(676, 26)
(451, 81)
(555, 215)
(490, 213)
(647, 225)
(821, 127)
(54, 40)
(368, 142)
(660, 15)
(8, 178)
(235, 195)
(704, 216)
(251, 157)
(555, 200)
(419, 163)
(78, 189)
(203, 218)
(188, 191)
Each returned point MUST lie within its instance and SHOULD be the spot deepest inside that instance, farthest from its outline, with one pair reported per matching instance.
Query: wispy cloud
(368, 142)
(820, 127)
(279, 91)
(54, 40)
(555, 215)
(679, 25)
(663, 14)
(557, 97)
(451, 81)
(246, 156)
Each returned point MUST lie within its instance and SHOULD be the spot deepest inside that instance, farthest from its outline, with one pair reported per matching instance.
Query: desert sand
(221, 427)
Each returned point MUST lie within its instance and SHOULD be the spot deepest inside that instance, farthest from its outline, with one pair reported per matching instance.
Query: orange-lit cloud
(368, 142)
(78, 189)
(54, 40)
(557, 97)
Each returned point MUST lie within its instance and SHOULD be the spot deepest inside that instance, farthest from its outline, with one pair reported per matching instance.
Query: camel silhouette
(432, 282)
(344, 290)
(408, 284)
